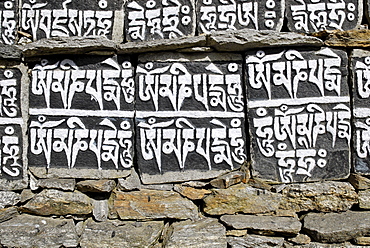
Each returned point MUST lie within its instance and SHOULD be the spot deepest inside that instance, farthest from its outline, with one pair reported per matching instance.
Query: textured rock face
(202, 233)
(152, 204)
(364, 199)
(359, 182)
(96, 186)
(54, 202)
(241, 198)
(192, 193)
(337, 227)
(9, 198)
(255, 241)
(286, 225)
(30, 231)
(63, 184)
(120, 234)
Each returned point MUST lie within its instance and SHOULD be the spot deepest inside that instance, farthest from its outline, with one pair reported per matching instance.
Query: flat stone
(236, 233)
(337, 227)
(31, 231)
(246, 39)
(103, 185)
(9, 198)
(241, 198)
(8, 213)
(284, 225)
(132, 182)
(364, 199)
(362, 241)
(10, 52)
(359, 182)
(195, 184)
(165, 186)
(255, 241)
(56, 183)
(324, 197)
(205, 233)
(259, 184)
(350, 38)
(192, 193)
(227, 180)
(152, 204)
(302, 17)
(300, 239)
(100, 210)
(26, 195)
(120, 234)
(55, 202)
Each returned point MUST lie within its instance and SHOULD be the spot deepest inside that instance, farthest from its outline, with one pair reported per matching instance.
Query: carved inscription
(299, 114)
(10, 124)
(232, 15)
(64, 18)
(8, 21)
(159, 19)
(309, 16)
(189, 116)
(82, 113)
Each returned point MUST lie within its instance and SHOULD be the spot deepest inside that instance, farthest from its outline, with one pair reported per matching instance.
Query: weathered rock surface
(100, 210)
(300, 239)
(337, 227)
(207, 233)
(255, 241)
(9, 198)
(8, 213)
(324, 197)
(132, 182)
(96, 185)
(63, 184)
(364, 199)
(152, 204)
(10, 52)
(227, 180)
(349, 38)
(120, 234)
(241, 198)
(55, 202)
(362, 241)
(359, 182)
(192, 193)
(286, 225)
(31, 231)
(41, 172)
(26, 195)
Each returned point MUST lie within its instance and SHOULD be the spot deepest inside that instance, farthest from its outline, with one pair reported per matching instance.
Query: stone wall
(184, 124)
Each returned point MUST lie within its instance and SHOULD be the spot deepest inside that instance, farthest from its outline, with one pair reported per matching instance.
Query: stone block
(60, 18)
(152, 20)
(189, 116)
(81, 122)
(359, 182)
(299, 114)
(229, 179)
(309, 16)
(192, 193)
(57, 183)
(255, 241)
(364, 199)
(9, 25)
(9, 198)
(99, 186)
(216, 15)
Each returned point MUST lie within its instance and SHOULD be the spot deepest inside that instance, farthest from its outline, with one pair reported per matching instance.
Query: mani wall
(177, 123)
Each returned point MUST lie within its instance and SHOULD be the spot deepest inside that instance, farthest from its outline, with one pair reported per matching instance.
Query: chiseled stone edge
(42, 172)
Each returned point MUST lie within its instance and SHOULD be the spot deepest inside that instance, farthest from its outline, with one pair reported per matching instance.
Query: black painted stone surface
(82, 111)
(9, 21)
(61, 18)
(190, 116)
(10, 91)
(307, 16)
(231, 15)
(299, 114)
(360, 65)
(155, 19)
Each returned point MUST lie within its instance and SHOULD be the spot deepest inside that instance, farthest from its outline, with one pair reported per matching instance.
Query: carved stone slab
(216, 15)
(9, 21)
(61, 18)
(190, 119)
(81, 117)
(159, 19)
(360, 65)
(307, 16)
(299, 114)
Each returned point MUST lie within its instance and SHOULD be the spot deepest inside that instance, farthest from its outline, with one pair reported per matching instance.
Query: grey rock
(100, 210)
(324, 196)
(300, 239)
(26, 195)
(132, 182)
(255, 241)
(10, 52)
(120, 234)
(227, 180)
(195, 184)
(33, 182)
(167, 186)
(102, 185)
(9, 198)
(364, 199)
(8, 213)
(285, 225)
(245, 39)
(30, 231)
(337, 227)
(56, 183)
(207, 233)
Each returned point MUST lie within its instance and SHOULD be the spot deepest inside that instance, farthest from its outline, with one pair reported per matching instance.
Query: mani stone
(60, 18)
(87, 112)
(283, 225)
(190, 119)
(31, 231)
(9, 25)
(216, 15)
(300, 118)
(337, 227)
(308, 16)
(255, 241)
(360, 65)
(120, 234)
(201, 233)
(154, 19)
(152, 204)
